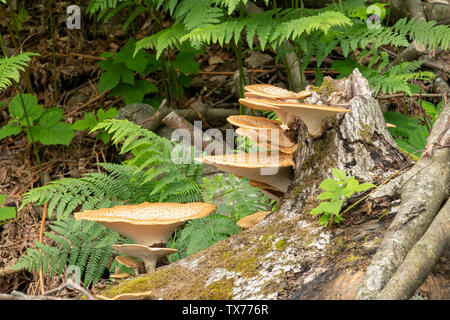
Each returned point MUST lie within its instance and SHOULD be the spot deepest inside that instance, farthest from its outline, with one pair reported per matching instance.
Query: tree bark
(289, 255)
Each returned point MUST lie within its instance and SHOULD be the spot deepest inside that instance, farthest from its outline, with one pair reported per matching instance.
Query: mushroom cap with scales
(263, 139)
(268, 91)
(147, 223)
(147, 254)
(252, 165)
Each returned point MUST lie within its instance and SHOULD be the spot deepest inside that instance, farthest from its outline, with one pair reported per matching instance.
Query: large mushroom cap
(148, 255)
(271, 167)
(311, 114)
(147, 223)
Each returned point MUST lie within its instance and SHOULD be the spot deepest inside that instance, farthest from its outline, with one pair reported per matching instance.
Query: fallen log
(289, 255)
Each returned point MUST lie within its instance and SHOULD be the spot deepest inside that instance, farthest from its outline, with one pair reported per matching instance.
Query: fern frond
(10, 67)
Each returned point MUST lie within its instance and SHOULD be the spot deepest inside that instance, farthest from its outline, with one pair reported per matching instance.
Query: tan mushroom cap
(270, 167)
(147, 254)
(119, 275)
(128, 261)
(311, 114)
(129, 296)
(147, 223)
(267, 129)
(268, 190)
(267, 105)
(253, 219)
(263, 138)
(251, 122)
(268, 91)
(390, 125)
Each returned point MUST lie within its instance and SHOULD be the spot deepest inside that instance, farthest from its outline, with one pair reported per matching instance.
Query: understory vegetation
(179, 32)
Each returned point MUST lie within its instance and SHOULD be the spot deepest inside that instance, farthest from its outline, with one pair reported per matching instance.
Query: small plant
(335, 191)
(119, 76)
(45, 125)
(90, 121)
(411, 132)
(6, 213)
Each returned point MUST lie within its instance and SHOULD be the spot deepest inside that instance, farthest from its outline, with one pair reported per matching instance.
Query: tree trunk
(289, 255)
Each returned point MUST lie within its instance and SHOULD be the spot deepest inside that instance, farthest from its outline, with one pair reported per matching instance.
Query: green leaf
(127, 76)
(108, 80)
(2, 198)
(330, 185)
(364, 186)
(340, 174)
(7, 213)
(58, 133)
(9, 130)
(325, 195)
(34, 110)
(88, 122)
(186, 63)
(137, 62)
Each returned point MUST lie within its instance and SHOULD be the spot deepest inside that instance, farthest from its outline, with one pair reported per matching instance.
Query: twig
(399, 95)
(41, 236)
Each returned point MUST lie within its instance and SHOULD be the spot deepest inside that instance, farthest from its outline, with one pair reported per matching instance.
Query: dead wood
(423, 190)
(421, 259)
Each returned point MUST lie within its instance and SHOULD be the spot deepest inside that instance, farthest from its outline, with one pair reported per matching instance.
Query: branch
(421, 259)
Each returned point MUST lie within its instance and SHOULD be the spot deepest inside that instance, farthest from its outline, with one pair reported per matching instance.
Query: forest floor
(77, 77)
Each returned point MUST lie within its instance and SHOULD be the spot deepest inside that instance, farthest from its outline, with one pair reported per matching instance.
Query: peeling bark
(288, 255)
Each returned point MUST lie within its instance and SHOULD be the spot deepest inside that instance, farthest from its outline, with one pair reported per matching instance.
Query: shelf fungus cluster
(270, 170)
(287, 104)
(149, 225)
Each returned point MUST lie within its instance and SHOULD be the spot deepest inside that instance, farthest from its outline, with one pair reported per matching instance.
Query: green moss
(140, 284)
(326, 88)
(219, 290)
(280, 244)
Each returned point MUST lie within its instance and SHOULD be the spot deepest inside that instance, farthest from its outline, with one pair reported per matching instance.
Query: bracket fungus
(147, 254)
(252, 219)
(265, 132)
(147, 223)
(286, 104)
(268, 91)
(271, 192)
(272, 168)
(131, 263)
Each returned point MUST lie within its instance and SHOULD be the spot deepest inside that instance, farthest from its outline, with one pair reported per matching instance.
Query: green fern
(10, 67)
(84, 244)
(153, 157)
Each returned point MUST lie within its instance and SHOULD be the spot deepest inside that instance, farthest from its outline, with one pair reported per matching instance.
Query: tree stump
(289, 255)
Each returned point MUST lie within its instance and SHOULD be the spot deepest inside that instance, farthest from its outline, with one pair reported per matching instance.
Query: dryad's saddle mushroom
(147, 223)
(272, 168)
(286, 105)
(148, 255)
(266, 133)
